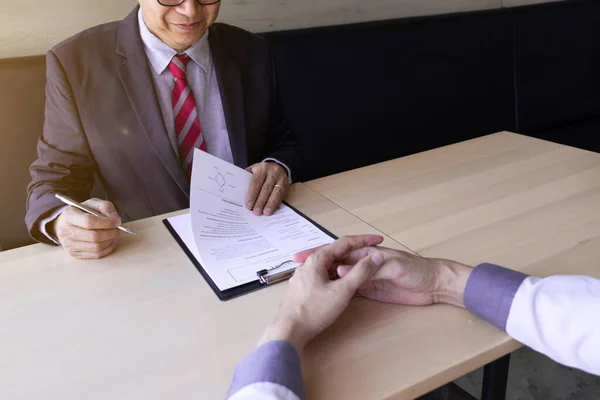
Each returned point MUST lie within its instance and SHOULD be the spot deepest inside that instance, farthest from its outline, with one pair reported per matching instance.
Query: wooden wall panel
(31, 27)
(267, 15)
(516, 3)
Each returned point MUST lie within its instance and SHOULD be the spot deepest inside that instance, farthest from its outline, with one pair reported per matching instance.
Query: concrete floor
(536, 377)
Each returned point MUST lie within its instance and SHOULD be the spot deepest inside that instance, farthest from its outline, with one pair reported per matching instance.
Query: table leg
(450, 391)
(495, 379)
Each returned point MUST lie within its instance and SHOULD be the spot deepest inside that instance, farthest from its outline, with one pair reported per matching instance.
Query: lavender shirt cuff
(490, 292)
(274, 362)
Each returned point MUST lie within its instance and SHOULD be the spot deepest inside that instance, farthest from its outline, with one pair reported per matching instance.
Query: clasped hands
(85, 236)
(314, 301)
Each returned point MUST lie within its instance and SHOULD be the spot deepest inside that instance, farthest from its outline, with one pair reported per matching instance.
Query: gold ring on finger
(280, 187)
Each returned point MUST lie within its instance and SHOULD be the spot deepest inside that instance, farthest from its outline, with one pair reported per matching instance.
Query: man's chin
(189, 37)
(187, 42)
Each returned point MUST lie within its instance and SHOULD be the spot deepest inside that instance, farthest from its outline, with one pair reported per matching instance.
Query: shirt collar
(160, 54)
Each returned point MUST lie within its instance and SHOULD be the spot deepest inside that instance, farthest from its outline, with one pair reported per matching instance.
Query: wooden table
(514, 200)
(144, 324)
(522, 202)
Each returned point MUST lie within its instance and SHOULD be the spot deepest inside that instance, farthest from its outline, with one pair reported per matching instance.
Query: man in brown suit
(109, 112)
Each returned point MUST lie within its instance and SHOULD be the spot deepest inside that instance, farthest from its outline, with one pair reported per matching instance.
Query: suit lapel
(229, 78)
(136, 79)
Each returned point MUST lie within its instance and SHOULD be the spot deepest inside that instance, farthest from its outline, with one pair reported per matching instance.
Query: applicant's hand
(268, 187)
(314, 301)
(405, 278)
(86, 236)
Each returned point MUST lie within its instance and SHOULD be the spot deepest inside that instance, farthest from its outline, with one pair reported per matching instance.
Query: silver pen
(88, 210)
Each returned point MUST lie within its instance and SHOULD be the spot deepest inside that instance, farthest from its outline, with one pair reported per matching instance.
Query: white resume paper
(231, 243)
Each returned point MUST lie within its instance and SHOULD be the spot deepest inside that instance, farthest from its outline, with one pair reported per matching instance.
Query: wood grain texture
(502, 198)
(141, 323)
(521, 202)
(31, 27)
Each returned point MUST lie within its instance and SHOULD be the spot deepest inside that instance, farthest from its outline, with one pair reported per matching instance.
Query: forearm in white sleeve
(558, 316)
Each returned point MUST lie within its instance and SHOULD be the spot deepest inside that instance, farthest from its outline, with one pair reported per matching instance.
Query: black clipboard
(237, 291)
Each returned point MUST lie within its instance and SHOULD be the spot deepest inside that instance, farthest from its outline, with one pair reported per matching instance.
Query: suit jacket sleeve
(282, 144)
(65, 164)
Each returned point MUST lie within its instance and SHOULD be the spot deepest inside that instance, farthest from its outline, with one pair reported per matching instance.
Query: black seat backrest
(364, 93)
(557, 64)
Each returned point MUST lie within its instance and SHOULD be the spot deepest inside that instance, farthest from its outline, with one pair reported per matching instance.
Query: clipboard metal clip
(266, 279)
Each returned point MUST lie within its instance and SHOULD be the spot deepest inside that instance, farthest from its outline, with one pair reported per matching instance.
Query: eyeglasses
(175, 3)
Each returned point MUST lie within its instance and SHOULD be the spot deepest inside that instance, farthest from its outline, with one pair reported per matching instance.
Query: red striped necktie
(185, 114)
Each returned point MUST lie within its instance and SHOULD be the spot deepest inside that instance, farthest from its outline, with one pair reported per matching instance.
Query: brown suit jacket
(103, 117)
